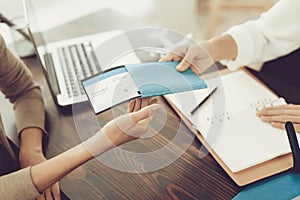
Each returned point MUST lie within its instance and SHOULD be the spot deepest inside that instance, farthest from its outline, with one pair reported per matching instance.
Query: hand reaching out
(279, 115)
(201, 56)
(124, 128)
(139, 103)
(120, 130)
(130, 126)
(194, 56)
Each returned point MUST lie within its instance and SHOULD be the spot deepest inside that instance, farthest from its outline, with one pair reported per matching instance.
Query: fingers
(144, 122)
(131, 105)
(183, 65)
(280, 110)
(144, 113)
(42, 197)
(192, 56)
(145, 102)
(52, 193)
(153, 101)
(127, 121)
(129, 126)
(168, 57)
(189, 58)
(48, 194)
(139, 103)
(140, 128)
(281, 118)
(176, 55)
(277, 116)
(280, 125)
(55, 191)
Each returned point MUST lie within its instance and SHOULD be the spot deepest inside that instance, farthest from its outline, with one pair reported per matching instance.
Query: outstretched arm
(123, 129)
(201, 56)
(274, 34)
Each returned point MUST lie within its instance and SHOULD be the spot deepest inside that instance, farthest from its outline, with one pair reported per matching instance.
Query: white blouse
(274, 34)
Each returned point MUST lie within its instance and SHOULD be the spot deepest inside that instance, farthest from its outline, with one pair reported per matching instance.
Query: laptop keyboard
(78, 61)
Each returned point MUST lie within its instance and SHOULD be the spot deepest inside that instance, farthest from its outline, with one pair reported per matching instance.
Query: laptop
(67, 62)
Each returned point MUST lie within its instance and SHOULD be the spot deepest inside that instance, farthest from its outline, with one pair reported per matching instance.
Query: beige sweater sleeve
(17, 85)
(18, 185)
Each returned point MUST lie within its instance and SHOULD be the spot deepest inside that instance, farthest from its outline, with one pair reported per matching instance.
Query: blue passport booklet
(119, 84)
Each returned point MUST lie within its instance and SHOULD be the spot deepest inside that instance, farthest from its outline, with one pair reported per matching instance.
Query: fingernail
(178, 67)
(262, 118)
(155, 107)
(154, 110)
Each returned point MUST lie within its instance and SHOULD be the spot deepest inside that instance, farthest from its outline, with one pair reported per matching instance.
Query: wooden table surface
(189, 177)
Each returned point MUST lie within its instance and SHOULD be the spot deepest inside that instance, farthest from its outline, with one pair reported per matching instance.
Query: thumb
(183, 65)
(187, 60)
(144, 113)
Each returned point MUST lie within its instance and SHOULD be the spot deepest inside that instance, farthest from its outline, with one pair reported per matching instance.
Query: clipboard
(250, 174)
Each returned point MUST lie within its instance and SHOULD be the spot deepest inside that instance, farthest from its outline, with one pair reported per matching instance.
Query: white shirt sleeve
(274, 34)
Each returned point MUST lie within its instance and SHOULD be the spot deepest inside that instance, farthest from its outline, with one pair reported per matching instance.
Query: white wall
(11, 7)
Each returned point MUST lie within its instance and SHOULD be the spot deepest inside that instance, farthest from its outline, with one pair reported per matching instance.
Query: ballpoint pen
(203, 101)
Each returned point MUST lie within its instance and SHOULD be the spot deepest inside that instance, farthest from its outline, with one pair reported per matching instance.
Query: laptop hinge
(51, 73)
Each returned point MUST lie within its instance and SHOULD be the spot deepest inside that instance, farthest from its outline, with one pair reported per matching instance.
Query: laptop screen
(33, 23)
(68, 55)
(39, 44)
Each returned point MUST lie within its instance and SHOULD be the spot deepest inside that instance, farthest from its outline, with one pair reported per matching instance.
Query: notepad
(230, 125)
(119, 84)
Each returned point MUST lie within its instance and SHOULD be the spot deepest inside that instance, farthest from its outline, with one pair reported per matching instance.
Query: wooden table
(189, 177)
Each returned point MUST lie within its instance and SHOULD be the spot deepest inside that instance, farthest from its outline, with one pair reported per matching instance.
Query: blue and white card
(119, 84)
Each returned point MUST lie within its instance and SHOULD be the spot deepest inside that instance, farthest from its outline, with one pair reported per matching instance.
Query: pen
(203, 101)
(294, 146)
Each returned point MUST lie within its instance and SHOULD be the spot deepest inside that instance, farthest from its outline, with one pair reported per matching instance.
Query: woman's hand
(194, 56)
(279, 115)
(201, 56)
(130, 126)
(139, 103)
(122, 129)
